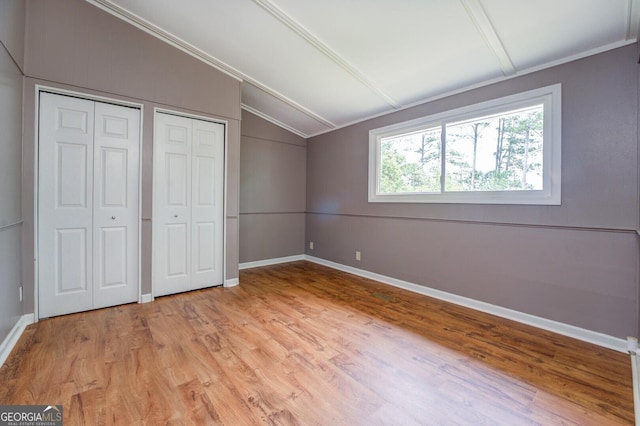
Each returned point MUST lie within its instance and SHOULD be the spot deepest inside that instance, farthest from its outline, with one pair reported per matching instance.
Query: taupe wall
(576, 263)
(11, 80)
(73, 45)
(272, 191)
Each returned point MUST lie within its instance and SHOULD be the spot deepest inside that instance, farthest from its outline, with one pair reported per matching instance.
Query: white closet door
(65, 205)
(207, 210)
(87, 205)
(172, 204)
(188, 211)
(115, 207)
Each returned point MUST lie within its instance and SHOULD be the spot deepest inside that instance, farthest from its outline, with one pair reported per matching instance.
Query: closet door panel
(172, 204)
(178, 242)
(115, 210)
(208, 195)
(204, 238)
(65, 202)
(113, 257)
(70, 254)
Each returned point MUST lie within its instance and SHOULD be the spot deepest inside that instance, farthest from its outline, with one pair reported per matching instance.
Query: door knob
(113, 217)
(175, 215)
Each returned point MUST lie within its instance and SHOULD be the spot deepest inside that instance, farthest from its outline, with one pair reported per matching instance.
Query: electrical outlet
(358, 255)
(310, 245)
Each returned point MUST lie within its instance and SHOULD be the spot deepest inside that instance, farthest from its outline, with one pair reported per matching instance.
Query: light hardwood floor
(304, 344)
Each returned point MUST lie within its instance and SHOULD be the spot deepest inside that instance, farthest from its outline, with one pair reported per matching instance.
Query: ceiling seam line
(306, 35)
(482, 22)
(140, 23)
(485, 83)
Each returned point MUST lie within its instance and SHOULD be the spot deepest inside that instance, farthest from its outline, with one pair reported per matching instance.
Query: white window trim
(552, 152)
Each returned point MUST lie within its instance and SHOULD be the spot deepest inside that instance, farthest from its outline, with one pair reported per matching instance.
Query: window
(503, 151)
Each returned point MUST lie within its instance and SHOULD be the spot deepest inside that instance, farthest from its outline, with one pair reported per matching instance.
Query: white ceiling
(314, 66)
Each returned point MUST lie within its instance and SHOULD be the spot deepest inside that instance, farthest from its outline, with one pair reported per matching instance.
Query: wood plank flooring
(302, 344)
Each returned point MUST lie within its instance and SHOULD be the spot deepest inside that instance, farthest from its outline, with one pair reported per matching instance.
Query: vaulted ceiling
(315, 66)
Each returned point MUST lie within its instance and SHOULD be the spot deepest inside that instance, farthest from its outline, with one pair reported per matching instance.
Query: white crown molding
(484, 83)
(479, 17)
(273, 121)
(473, 7)
(308, 36)
(290, 102)
(146, 26)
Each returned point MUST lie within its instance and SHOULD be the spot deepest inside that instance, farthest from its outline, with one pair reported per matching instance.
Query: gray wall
(272, 191)
(71, 44)
(11, 80)
(576, 263)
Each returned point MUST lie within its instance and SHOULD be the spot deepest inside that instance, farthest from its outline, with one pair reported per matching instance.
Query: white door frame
(157, 110)
(58, 91)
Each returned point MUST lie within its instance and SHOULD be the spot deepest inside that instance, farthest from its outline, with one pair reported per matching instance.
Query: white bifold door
(188, 211)
(88, 169)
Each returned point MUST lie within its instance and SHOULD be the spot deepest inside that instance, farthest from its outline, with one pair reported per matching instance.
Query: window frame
(549, 96)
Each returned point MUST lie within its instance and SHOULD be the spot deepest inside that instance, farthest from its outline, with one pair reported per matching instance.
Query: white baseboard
(231, 282)
(146, 298)
(14, 335)
(268, 262)
(589, 336)
(579, 333)
(635, 370)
